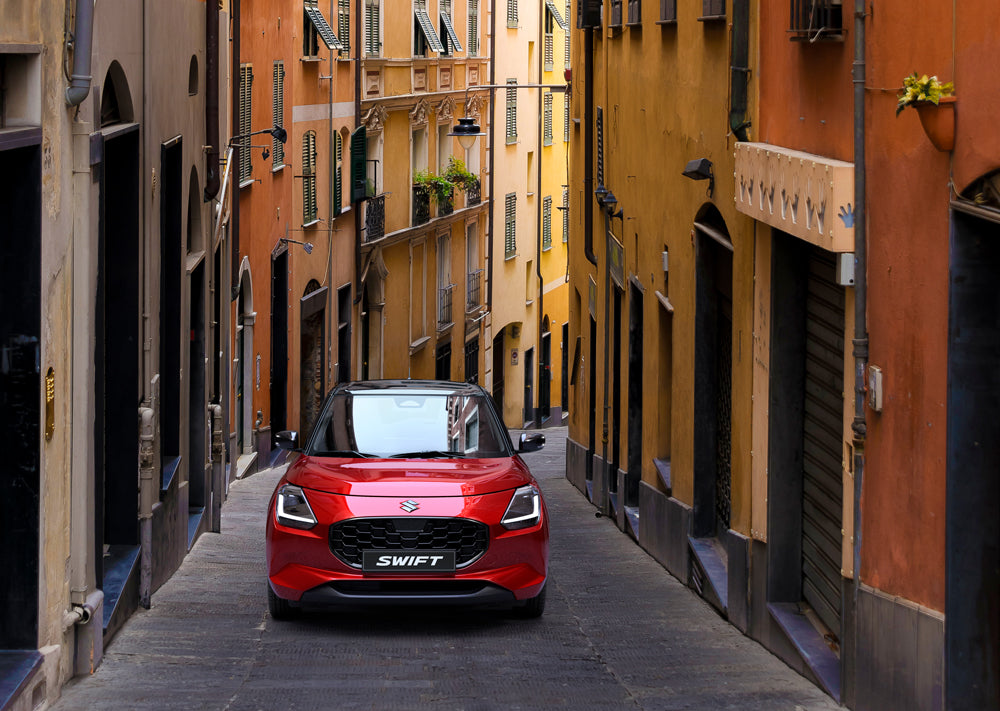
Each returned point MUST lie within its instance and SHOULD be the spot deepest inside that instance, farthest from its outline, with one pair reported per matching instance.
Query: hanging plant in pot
(934, 102)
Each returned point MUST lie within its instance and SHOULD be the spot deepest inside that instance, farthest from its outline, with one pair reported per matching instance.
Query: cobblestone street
(619, 633)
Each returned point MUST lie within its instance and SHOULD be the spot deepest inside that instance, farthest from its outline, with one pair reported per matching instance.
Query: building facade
(115, 368)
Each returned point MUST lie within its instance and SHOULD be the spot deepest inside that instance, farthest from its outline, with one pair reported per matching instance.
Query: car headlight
(292, 508)
(524, 510)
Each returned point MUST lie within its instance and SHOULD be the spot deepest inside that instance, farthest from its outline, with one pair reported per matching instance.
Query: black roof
(440, 386)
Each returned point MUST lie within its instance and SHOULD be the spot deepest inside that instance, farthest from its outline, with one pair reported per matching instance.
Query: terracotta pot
(938, 121)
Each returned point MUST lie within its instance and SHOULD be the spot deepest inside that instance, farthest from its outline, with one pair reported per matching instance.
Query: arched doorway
(243, 367)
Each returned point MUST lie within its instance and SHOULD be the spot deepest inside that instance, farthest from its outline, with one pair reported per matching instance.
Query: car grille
(349, 539)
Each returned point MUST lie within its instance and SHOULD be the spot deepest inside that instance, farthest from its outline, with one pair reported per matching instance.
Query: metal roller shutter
(822, 488)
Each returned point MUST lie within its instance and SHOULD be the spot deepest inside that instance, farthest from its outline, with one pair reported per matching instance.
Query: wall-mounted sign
(616, 259)
(513, 356)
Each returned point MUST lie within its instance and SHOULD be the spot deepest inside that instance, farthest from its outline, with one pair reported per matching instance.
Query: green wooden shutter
(246, 112)
(547, 120)
(278, 110)
(473, 28)
(359, 158)
(338, 151)
(308, 177)
(547, 222)
(344, 25)
(510, 216)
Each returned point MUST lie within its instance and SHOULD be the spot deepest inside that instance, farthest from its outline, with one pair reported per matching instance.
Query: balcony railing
(473, 292)
(421, 207)
(814, 19)
(473, 194)
(446, 207)
(374, 218)
(444, 305)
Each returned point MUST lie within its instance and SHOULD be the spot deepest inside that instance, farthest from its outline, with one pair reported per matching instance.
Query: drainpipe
(212, 98)
(860, 340)
(538, 222)
(588, 144)
(739, 70)
(83, 40)
(234, 220)
(492, 139)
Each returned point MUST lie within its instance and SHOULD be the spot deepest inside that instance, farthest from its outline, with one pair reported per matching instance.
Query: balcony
(444, 306)
(473, 293)
(374, 218)
(421, 206)
(446, 207)
(473, 194)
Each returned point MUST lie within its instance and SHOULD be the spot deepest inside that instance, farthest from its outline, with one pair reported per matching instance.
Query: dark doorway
(442, 361)
(313, 336)
(344, 334)
(713, 368)
(197, 413)
(279, 343)
(545, 373)
(472, 362)
(972, 543)
(116, 364)
(634, 470)
(498, 370)
(366, 330)
(529, 386)
(20, 331)
(217, 358)
(592, 400)
(615, 433)
(171, 242)
(564, 379)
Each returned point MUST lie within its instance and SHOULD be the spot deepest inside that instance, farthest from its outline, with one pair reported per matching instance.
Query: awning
(456, 46)
(555, 15)
(323, 28)
(433, 41)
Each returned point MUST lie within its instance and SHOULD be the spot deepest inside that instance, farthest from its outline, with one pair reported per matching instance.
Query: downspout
(83, 41)
(739, 70)
(212, 99)
(539, 137)
(234, 220)
(492, 139)
(588, 144)
(860, 341)
(359, 53)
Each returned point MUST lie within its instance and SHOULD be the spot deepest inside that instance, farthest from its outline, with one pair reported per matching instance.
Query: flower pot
(938, 121)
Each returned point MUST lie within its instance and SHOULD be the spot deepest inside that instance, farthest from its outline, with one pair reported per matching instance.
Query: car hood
(400, 477)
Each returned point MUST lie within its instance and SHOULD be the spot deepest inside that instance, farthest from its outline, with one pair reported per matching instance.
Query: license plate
(408, 561)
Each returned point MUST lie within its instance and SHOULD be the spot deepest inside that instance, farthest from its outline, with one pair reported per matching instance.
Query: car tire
(279, 607)
(533, 607)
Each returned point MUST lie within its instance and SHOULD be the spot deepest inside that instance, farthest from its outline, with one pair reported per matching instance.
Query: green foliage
(426, 183)
(917, 89)
(458, 175)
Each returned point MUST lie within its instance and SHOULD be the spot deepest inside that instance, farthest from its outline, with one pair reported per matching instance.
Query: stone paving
(619, 632)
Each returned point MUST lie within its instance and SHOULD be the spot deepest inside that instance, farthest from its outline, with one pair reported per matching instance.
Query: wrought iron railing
(421, 207)
(473, 293)
(444, 304)
(473, 194)
(446, 206)
(810, 19)
(374, 218)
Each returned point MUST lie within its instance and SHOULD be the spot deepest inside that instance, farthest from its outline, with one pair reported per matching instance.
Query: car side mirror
(530, 442)
(286, 439)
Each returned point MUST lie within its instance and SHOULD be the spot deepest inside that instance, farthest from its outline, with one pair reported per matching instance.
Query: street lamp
(307, 246)
(278, 133)
(467, 131)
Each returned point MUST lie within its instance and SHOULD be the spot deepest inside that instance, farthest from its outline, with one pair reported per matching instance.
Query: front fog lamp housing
(292, 508)
(524, 510)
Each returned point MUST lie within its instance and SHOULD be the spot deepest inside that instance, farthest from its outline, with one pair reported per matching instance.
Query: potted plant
(426, 183)
(458, 175)
(934, 102)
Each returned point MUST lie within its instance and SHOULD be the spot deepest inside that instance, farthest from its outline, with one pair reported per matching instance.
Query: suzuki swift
(407, 492)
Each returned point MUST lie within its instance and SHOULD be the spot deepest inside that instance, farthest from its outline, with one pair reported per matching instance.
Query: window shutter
(473, 28)
(512, 112)
(600, 145)
(278, 109)
(565, 212)
(512, 13)
(372, 45)
(510, 208)
(547, 122)
(338, 173)
(344, 25)
(246, 112)
(309, 177)
(566, 120)
(359, 159)
(547, 222)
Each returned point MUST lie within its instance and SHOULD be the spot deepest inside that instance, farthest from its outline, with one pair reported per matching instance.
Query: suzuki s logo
(409, 506)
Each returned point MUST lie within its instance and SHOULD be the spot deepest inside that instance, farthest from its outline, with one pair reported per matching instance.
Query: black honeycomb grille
(350, 539)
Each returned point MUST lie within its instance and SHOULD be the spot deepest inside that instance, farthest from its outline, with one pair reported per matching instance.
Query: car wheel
(532, 607)
(279, 607)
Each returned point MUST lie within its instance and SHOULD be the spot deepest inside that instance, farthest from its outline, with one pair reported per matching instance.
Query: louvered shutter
(512, 13)
(547, 222)
(600, 145)
(344, 25)
(547, 120)
(309, 177)
(512, 112)
(246, 112)
(565, 216)
(372, 28)
(566, 120)
(473, 28)
(510, 210)
(359, 157)
(278, 110)
(338, 172)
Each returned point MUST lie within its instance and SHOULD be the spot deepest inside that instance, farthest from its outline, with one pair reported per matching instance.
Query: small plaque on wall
(420, 80)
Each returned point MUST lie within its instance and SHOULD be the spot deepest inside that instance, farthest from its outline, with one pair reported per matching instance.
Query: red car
(407, 491)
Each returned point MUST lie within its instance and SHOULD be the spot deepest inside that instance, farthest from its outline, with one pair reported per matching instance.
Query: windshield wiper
(343, 453)
(428, 454)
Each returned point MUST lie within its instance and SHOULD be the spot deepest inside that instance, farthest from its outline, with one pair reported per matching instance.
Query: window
(565, 212)
(445, 287)
(449, 37)
(548, 50)
(314, 28)
(713, 9)
(547, 223)
(512, 14)
(668, 10)
(547, 119)
(424, 34)
(634, 12)
(473, 28)
(246, 110)
(511, 111)
(509, 227)
(444, 147)
(566, 35)
(309, 213)
(344, 26)
(278, 114)
(616, 13)
(338, 172)
(814, 19)
(373, 45)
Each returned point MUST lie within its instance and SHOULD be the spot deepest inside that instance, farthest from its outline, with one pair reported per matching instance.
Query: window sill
(247, 183)
(311, 224)
(667, 23)
(712, 18)
(311, 60)
(279, 168)
(419, 344)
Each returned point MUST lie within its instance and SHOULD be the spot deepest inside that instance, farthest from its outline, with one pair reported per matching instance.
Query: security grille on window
(547, 119)
(373, 46)
(448, 35)
(278, 110)
(547, 223)
(425, 33)
(315, 25)
(815, 19)
(512, 14)
(511, 112)
(473, 28)
(509, 226)
(668, 10)
(344, 26)
(565, 215)
(309, 213)
(246, 110)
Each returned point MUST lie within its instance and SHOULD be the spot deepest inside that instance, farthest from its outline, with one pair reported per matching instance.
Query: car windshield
(404, 424)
